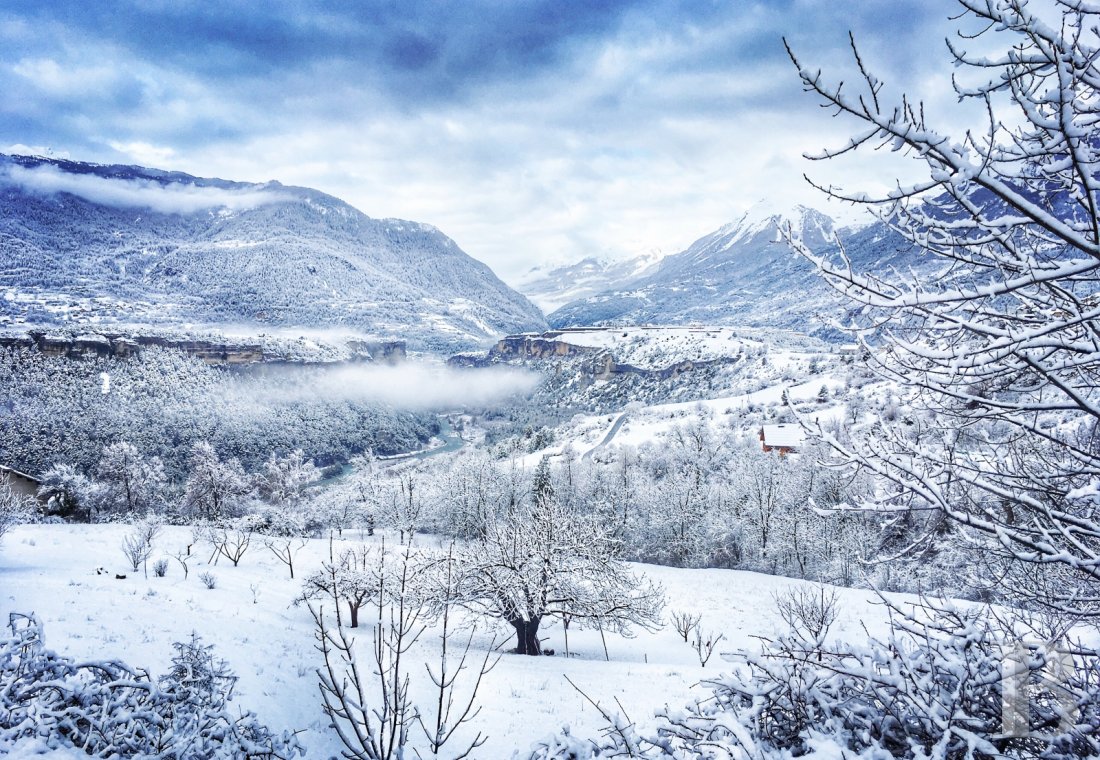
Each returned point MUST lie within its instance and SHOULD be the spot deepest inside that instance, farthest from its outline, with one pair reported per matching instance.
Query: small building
(786, 438)
(21, 483)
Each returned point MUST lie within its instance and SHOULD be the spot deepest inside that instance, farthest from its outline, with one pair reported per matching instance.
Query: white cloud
(170, 198)
(412, 385)
(144, 153)
(55, 79)
(421, 386)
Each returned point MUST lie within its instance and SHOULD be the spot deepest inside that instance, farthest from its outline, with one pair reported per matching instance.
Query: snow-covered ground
(638, 424)
(51, 570)
(656, 347)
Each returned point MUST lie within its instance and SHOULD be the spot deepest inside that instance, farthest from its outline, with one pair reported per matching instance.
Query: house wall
(21, 484)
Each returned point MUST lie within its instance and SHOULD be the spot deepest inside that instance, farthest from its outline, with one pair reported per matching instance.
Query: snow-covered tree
(929, 689)
(14, 508)
(356, 578)
(543, 560)
(403, 506)
(214, 487)
(131, 483)
(283, 479)
(67, 492)
(106, 708)
(996, 345)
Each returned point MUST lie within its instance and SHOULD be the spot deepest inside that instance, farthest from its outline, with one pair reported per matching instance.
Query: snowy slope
(50, 569)
(741, 274)
(128, 244)
(551, 287)
(654, 347)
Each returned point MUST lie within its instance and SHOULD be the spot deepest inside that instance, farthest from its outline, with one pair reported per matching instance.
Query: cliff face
(599, 363)
(211, 352)
(387, 352)
(535, 347)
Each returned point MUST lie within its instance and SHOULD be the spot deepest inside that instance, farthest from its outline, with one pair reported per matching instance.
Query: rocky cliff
(596, 362)
(214, 353)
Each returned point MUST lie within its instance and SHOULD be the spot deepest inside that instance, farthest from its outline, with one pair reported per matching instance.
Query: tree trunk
(527, 636)
(353, 610)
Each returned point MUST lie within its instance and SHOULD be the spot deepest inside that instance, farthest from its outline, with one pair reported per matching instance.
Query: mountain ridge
(183, 249)
(553, 286)
(741, 274)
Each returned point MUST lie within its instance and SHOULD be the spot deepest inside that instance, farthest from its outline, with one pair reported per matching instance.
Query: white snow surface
(51, 570)
(656, 347)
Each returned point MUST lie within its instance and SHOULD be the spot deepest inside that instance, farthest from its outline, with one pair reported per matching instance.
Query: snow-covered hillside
(660, 346)
(85, 244)
(741, 274)
(818, 384)
(551, 287)
(248, 617)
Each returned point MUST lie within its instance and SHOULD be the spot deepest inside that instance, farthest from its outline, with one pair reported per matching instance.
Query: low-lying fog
(412, 385)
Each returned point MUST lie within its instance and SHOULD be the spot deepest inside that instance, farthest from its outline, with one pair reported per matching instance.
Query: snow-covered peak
(770, 216)
(551, 286)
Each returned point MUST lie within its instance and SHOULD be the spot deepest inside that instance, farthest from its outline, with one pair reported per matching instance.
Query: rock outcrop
(599, 363)
(224, 354)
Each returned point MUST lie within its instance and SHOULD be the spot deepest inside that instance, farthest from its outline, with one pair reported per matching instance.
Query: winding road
(607, 438)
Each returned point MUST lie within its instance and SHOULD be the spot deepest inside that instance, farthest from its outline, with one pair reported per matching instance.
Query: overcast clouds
(527, 131)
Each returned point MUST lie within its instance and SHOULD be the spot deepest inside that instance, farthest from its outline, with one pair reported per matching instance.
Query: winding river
(452, 441)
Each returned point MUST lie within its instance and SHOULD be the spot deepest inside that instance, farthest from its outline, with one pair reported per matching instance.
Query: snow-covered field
(249, 617)
(638, 424)
(658, 346)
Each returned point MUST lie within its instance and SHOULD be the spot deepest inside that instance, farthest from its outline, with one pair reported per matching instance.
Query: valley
(290, 480)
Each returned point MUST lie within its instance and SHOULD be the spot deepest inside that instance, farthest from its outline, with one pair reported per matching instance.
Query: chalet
(785, 438)
(21, 483)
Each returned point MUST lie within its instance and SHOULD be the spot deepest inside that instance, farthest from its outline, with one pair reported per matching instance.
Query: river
(452, 441)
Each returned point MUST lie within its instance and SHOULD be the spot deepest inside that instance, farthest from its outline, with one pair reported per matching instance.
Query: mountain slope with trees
(131, 244)
(741, 274)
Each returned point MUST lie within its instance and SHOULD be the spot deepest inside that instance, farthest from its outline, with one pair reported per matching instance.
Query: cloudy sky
(531, 131)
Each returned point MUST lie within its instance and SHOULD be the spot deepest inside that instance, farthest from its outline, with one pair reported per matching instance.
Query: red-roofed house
(786, 438)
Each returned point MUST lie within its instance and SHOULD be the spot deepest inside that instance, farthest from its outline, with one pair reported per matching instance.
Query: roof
(10, 471)
(788, 436)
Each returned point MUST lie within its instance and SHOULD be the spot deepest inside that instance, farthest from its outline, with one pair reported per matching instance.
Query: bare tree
(685, 622)
(705, 644)
(137, 545)
(449, 714)
(284, 535)
(996, 338)
(809, 612)
(547, 561)
(371, 712)
(231, 538)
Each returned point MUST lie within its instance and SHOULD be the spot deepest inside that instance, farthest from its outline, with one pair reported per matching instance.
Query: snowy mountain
(741, 274)
(124, 245)
(551, 287)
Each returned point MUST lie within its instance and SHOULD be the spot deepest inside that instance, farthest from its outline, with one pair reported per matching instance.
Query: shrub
(109, 709)
(931, 689)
